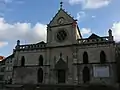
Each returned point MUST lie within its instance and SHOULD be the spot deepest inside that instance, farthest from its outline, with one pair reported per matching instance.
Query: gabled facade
(66, 58)
(63, 26)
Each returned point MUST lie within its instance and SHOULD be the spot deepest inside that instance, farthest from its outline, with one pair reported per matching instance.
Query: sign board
(101, 71)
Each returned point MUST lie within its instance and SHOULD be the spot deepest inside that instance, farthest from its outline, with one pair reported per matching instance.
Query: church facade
(66, 58)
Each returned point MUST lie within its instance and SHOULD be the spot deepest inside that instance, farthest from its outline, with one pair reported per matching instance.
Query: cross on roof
(61, 4)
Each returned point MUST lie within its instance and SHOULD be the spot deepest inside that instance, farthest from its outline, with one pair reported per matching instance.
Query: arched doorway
(61, 74)
(86, 75)
(61, 68)
(40, 75)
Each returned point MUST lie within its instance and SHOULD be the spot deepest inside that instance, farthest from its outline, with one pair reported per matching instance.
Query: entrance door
(40, 75)
(61, 76)
(86, 74)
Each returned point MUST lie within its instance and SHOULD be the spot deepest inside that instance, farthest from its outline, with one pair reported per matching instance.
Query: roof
(42, 42)
(57, 15)
(68, 19)
(93, 36)
(10, 56)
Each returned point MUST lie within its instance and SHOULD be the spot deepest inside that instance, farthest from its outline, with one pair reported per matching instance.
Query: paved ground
(64, 87)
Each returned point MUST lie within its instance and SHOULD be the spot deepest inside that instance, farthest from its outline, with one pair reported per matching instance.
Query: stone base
(59, 87)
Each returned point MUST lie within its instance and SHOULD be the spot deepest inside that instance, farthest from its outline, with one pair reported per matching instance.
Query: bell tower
(62, 29)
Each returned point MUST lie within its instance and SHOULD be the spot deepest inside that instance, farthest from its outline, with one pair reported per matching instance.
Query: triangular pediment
(61, 64)
(61, 13)
(94, 36)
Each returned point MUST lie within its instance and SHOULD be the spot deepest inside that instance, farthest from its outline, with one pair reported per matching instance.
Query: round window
(61, 35)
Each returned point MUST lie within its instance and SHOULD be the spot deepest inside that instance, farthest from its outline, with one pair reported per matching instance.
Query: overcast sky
(26, 19)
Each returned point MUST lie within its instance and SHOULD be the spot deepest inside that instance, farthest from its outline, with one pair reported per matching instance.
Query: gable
(93, 36)
(63, 14)
(61, 64)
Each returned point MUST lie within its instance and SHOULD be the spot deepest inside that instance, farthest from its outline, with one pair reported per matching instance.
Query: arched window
(23, 61)
(85, 58)
(102, 57)
(41, 60)
(40, 75)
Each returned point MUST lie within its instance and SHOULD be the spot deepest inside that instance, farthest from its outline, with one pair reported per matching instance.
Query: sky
(26, 20)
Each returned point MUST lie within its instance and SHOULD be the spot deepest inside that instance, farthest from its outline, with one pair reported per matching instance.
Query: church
(65, 59)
